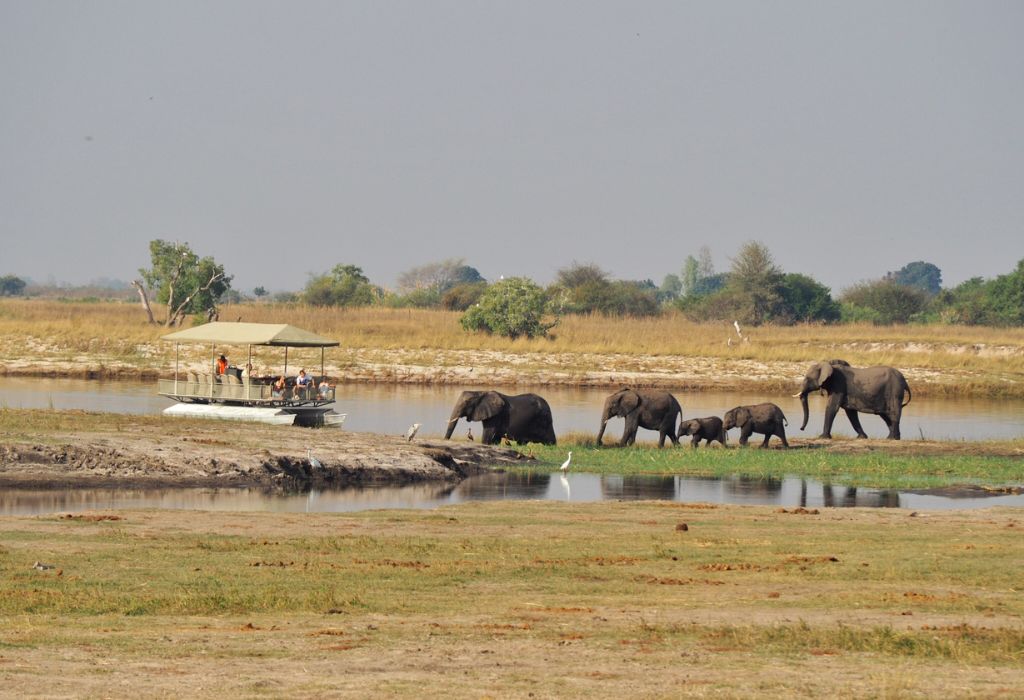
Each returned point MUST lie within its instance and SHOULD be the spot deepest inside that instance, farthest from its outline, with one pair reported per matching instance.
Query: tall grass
(117, 330)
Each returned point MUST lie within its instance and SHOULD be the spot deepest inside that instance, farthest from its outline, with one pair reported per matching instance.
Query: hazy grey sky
(285, 137)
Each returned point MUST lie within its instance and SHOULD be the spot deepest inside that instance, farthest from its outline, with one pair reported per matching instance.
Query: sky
(283, 138)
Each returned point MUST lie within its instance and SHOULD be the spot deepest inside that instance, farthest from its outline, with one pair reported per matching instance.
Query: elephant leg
(830, 416)
(696, 441)
(745, 433)
(767, 437)
(629, 432)
(490, 435)
(781, 432)
(855, 422)
(892, 425)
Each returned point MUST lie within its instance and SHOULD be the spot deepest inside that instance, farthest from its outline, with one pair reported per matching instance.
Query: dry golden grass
(514, 599)
(117, 332)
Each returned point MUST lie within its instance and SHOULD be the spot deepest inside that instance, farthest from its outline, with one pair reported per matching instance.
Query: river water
(390, 409)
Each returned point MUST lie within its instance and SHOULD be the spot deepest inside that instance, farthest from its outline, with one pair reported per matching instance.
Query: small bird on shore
(565, 464)
(469, 434)
(313, 461)
(411, 432)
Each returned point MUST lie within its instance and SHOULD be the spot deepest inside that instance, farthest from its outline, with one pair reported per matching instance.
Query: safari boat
(236, 395)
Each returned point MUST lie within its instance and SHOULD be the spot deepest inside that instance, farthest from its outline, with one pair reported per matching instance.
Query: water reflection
(573, 487)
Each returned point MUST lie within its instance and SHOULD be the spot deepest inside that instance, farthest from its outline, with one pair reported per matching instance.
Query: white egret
(411, 432)
(313, 461)
(565, 464)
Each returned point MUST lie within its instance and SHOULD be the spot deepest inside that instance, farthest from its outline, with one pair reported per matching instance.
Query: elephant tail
(909, 395)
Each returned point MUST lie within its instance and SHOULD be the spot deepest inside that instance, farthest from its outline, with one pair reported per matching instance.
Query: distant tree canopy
(754, 291)
(182, 281)
(11, 286)
(921, 275)
(344, 285)
(883, 302)
(804, 299)
(438, 277)
(996, 302)
(586, 288)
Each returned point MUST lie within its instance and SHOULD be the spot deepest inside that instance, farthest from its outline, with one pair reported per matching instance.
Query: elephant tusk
(796, 395)
(454, 420)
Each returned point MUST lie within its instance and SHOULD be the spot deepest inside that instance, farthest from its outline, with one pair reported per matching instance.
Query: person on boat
(303, 382)
(324, 389)
(222, 365)
(278, 387)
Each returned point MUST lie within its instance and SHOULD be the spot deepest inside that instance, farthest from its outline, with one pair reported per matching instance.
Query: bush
(883, 302)
(512, 308)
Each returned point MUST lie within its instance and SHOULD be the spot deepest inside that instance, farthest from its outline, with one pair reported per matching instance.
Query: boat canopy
(274, 334)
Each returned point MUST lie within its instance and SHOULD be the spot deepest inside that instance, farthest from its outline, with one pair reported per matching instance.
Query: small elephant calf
(764, 418)
(709, 429)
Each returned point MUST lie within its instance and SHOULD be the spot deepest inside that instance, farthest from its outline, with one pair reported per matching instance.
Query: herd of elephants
(527, 417)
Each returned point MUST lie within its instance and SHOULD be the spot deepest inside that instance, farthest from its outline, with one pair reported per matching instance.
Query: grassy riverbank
(407, 345)
(508, 599)
(874, 464)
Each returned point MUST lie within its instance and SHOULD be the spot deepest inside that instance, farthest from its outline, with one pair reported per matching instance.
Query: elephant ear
(824, 372)
(742, 416)
(629, 401)
(489, 405)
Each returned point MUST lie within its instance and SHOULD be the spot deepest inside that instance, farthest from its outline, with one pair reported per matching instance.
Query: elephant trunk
(803, 403)
(451, 424)
(605, 415)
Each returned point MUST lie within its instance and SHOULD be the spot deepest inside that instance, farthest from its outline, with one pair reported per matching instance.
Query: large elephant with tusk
(878, 390)
(522, 418)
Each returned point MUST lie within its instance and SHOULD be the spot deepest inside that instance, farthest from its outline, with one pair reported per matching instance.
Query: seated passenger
(302, 383)
(324, 389)
(222, 365)
(278, 387)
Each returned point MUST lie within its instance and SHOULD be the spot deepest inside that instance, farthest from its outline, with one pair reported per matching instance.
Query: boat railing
(229, 389)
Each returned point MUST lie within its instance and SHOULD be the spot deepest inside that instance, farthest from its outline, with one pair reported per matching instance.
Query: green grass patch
(877, 468)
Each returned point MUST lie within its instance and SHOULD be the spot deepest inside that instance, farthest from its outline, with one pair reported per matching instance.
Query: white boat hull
(276, 416)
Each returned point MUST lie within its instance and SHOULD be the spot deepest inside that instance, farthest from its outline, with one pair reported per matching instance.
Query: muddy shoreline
(150, 452)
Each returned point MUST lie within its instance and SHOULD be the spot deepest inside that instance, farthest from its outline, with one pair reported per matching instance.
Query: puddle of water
(576, 488)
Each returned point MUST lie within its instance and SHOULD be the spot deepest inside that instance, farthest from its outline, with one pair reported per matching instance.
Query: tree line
(755, 290)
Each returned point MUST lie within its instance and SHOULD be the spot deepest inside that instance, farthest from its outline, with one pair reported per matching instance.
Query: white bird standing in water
(565, 464)
(411, 432)
(313, 461)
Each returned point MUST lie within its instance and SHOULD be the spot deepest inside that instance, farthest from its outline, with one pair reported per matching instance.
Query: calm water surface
(578, 488)
(390, 409)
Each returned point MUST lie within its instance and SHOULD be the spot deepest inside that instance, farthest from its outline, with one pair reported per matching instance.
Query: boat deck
(240, 392)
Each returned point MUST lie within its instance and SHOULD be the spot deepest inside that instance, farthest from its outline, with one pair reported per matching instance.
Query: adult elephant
(877, 390)
(653, 409)
(523, 418)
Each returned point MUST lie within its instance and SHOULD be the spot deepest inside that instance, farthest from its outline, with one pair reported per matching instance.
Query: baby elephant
(709, 429)
(764, 418)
